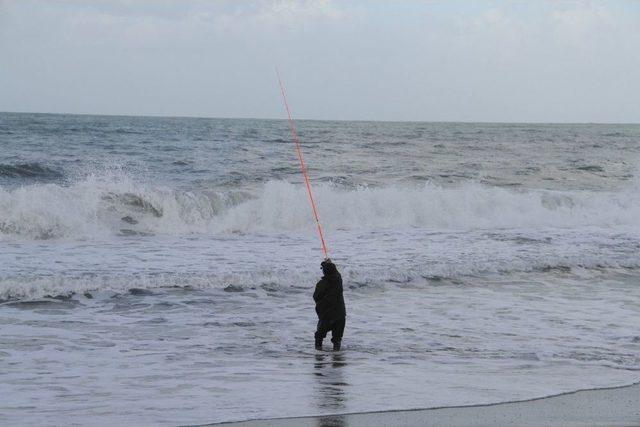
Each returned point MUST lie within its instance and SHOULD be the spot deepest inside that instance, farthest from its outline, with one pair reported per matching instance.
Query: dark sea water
(160, 270)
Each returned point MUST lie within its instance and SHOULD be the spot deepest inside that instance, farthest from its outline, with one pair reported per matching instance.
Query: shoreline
(608, 406)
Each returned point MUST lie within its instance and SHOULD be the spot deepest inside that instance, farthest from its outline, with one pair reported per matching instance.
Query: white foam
(283, 206)
(369, 259)
(96, 206)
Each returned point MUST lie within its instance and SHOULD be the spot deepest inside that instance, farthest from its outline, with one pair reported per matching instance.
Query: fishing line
(303, 166)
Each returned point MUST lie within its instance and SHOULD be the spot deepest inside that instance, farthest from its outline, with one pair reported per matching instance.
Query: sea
(160, 271)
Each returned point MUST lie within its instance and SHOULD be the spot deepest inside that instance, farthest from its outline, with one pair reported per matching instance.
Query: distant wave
(102, 205)
(29, 170)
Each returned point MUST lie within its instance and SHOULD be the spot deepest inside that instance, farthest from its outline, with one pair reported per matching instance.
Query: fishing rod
(303, 167)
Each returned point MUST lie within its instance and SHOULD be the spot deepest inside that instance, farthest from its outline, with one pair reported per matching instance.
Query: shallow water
(174, 355)
(159, 271)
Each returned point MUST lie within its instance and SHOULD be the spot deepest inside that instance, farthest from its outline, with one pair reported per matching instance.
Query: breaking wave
(107, 205)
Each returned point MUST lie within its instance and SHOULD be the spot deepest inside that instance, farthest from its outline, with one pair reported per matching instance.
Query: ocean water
(159, 271)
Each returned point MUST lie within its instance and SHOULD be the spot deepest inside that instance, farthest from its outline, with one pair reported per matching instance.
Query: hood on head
(328, 267)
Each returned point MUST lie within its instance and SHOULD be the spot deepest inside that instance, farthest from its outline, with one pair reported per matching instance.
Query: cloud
(580, 22)
(158, 23)
(411, 60)
(289, 12)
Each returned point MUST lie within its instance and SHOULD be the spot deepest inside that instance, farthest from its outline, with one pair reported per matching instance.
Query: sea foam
(107, 205)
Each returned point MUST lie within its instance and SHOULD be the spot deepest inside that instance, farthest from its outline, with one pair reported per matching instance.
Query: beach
(160, 270)
(319, 213)
(610, 407)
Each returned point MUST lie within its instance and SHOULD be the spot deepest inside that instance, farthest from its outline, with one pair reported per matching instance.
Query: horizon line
(178, 116)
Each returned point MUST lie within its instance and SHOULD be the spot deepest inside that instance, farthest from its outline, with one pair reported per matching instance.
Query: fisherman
(329, 305)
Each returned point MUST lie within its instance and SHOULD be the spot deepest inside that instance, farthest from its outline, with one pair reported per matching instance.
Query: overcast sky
(533, 61)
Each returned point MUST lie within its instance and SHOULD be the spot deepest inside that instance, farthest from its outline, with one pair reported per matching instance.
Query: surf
(106, 205)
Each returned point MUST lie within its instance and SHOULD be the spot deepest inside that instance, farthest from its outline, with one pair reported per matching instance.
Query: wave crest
(118, 205)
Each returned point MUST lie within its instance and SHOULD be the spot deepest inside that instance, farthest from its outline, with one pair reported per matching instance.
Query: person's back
(330, 307)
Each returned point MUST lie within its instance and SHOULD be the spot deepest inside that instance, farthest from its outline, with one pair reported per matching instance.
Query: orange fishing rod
(303, 167)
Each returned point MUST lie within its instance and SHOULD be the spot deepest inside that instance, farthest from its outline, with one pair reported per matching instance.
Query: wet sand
(618, 406)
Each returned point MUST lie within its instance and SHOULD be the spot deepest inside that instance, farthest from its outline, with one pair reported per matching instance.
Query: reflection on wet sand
(330, 387)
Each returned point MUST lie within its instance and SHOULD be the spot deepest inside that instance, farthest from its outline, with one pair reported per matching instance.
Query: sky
(429, 60)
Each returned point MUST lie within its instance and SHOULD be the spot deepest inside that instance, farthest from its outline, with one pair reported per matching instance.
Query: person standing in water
(330, 305)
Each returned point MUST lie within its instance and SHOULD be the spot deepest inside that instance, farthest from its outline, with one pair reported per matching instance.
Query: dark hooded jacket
(328, 295)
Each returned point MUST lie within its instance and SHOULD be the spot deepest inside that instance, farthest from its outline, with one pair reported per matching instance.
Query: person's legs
(337, 330)
(321, 332)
